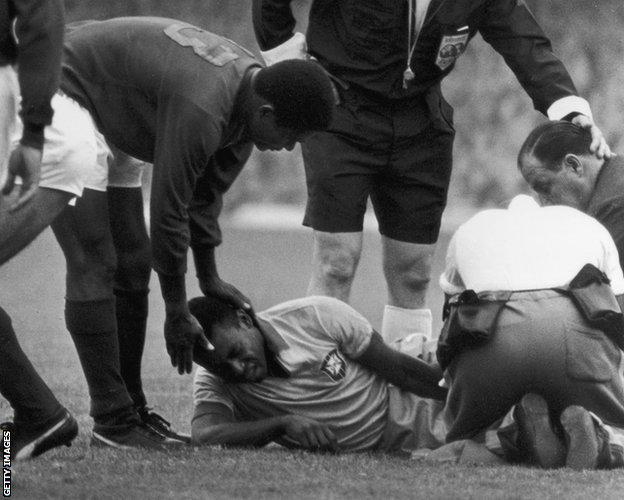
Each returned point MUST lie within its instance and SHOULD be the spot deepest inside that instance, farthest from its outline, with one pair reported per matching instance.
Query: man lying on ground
(310, 373)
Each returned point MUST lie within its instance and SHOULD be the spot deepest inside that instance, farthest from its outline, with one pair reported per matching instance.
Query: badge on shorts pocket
(451, 47)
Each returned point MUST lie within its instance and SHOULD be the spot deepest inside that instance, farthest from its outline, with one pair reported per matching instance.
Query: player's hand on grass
(183, 335)
(25, 163)
(310, 433)
(599, 144)
(216, 287)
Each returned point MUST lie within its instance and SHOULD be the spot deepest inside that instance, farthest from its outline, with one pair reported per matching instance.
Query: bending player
(193, 104)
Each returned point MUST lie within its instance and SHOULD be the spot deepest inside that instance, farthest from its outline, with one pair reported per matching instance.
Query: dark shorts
(398, 153)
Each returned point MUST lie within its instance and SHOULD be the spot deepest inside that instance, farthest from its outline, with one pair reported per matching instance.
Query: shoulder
(310, 306)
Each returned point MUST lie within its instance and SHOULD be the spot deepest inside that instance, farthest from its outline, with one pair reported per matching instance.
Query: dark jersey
(364, 42)
(39, 28)
(164, 91)
(607, 201)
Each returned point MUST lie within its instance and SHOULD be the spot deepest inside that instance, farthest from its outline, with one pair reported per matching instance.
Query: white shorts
(75, 153)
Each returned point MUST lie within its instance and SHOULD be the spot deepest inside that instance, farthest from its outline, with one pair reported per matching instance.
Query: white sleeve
(208, 388)
(293, 48)
(611, 262)
(566, 105)
(344, 325)
(451, 281)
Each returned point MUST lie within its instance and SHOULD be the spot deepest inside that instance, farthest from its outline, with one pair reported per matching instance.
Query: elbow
(205, 436)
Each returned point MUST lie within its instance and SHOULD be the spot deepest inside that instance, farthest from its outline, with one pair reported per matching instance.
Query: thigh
(338, 184)
(336, 247)
(84, 234)
(127, 218)
(340, 166)
(400, 257)
(130, 238)
(410, 195)
(8, 114)
(19, 228)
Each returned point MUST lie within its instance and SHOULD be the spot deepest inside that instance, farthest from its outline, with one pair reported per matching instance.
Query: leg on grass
(131, 282)
(407, 269)
(84, 235)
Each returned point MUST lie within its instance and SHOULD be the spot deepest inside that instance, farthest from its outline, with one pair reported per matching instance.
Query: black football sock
(33, 402)
(131, 309)
(92, 325)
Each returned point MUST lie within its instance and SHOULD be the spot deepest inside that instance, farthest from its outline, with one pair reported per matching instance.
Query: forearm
(40, 27)
(205, 263)
(406, 372)
(242, 434)
(173, 288)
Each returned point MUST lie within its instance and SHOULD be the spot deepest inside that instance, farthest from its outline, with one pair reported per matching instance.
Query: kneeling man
(509, 275)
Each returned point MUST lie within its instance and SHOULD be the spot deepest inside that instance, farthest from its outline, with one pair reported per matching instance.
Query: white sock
(398, 323)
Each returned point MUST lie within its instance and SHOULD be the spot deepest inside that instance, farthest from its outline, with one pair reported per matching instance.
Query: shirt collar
(523, 202)
(274, 345)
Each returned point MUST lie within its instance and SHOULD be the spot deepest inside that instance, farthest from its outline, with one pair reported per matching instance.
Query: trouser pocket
(590, 355)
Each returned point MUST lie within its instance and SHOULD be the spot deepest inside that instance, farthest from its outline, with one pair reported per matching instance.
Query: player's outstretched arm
(405, 372)
(215, 424)
(183, 333)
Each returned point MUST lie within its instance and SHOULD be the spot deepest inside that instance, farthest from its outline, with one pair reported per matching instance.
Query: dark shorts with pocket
(541, 345)
(398, 153)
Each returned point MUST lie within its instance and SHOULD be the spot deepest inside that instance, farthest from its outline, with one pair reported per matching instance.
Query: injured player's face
(239, 354)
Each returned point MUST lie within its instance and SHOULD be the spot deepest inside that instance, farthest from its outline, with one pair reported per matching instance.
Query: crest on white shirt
(333, 365)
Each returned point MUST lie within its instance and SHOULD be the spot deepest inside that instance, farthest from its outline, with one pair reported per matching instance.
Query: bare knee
(338, 264)
(407, 268)
(413, 275)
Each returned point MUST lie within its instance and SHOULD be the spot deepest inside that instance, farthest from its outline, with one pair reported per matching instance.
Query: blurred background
(493, 115)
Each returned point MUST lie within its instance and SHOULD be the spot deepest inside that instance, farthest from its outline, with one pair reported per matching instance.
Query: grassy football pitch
(270, 266)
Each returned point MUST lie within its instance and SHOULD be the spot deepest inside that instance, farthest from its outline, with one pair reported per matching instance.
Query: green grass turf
(269, 267)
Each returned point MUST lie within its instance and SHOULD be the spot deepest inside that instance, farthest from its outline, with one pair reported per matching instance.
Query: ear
(574, 164)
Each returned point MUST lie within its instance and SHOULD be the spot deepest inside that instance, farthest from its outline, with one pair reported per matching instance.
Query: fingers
(203, 342)
(319, 437)
(598, 146)
(27, 192)
(332, 442)
(187, 360)
(9, 184)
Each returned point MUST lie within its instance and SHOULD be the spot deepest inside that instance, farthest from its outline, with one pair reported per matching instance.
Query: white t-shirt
(317, 338)
(528, 247)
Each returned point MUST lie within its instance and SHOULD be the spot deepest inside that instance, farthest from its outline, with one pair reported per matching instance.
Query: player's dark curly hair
(300, 92)
(550, 142)
(211, 311)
